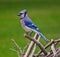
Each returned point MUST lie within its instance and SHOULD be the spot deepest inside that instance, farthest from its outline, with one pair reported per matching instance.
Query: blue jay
(28, 25)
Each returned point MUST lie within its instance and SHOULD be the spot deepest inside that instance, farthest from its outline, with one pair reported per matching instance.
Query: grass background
(44, 13)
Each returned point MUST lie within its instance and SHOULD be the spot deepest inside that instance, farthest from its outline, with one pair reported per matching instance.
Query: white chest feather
(27, 29)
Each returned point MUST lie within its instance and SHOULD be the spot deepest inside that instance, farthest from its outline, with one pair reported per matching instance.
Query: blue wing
(31, 25)
(34, 27)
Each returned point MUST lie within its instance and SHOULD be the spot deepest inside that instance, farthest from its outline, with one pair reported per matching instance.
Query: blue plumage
(28, 25)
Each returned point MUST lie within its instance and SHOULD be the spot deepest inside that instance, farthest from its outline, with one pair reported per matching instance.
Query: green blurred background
(44, 13)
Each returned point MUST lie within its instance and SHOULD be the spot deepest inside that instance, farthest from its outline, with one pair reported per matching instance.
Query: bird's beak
(18, 15)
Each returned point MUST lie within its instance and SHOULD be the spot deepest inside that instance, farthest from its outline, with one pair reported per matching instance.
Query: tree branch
(38, 43)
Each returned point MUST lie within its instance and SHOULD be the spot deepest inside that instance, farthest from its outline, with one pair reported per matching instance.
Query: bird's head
(22, 14)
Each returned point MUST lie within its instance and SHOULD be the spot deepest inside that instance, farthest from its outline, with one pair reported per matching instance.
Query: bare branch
(53, 48)
(18, 50)
(13, 49)
(38, 43)
(16, 44)
(31, 46)
(49, 44)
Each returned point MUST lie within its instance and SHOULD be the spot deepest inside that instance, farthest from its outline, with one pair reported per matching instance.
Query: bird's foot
(29, 33)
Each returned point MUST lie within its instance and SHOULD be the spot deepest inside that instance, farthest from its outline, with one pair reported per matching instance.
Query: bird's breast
(27, 29)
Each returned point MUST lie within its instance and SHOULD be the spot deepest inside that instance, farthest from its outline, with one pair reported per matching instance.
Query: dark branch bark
(49, 44)
(38, 43)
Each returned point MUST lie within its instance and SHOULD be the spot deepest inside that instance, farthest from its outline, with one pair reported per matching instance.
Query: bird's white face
(22, 15)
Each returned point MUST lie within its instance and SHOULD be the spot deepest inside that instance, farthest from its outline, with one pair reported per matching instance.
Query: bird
(28, 25)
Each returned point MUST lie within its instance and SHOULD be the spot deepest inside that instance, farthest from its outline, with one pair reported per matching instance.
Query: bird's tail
(43, 36)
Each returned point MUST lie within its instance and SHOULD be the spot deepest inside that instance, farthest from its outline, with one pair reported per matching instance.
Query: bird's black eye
(21, 14)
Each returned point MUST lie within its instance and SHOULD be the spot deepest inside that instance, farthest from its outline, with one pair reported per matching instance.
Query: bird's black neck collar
(23, 17)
